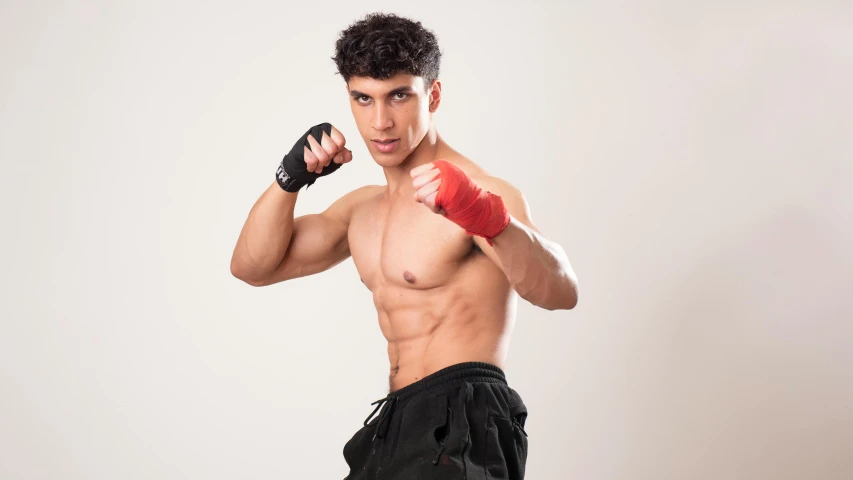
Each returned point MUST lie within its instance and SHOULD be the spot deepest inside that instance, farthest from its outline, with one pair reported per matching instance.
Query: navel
(409, 276)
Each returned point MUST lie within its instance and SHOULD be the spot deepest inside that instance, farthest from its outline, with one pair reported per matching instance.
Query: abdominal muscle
(427, 330)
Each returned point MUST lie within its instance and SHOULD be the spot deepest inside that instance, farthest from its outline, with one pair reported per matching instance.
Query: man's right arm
(273, 246)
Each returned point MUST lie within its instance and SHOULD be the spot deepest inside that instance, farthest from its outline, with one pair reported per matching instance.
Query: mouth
(386, 145)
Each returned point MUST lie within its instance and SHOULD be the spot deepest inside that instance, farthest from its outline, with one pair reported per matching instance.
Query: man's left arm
(497, 214)
(536, 267)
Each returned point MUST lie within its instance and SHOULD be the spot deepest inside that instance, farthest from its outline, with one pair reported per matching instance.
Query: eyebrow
(404, 89)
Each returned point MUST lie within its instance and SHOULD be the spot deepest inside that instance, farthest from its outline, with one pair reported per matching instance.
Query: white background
(694, 159)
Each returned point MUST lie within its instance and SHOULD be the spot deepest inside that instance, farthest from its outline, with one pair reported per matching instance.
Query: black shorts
(461, 422)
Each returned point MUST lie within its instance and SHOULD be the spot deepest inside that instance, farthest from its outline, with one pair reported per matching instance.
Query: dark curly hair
(381, 45)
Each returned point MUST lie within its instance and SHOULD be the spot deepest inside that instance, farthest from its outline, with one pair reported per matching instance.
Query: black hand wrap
(292, 174)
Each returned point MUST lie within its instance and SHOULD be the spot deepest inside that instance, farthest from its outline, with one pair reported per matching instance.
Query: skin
(442, 296)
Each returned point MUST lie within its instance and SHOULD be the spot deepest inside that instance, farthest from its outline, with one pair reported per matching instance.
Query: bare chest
(396, 244)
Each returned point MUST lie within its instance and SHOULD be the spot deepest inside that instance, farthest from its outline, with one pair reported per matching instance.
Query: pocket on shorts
(506, 448)
(449, 433)
(441, 423)
(519, 419)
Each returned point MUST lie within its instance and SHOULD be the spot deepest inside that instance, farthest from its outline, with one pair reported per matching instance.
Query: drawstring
(440, 449)
(367, 420)
(387, 405)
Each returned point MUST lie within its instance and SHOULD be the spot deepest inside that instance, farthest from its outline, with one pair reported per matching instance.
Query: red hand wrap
(477, 211)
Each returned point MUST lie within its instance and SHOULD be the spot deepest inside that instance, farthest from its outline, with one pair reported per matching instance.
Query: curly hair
(382, 45)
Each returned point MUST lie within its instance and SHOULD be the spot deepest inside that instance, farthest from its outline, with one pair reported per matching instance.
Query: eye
(365, 97)
(404, 96)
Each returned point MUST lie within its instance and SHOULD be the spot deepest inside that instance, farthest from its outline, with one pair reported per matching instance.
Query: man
(443, 247)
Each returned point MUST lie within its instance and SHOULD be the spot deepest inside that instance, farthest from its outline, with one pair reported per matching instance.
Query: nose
(382, 117)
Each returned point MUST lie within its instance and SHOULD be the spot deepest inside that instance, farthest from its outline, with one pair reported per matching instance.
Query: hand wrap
(292, 174)
(477, 211)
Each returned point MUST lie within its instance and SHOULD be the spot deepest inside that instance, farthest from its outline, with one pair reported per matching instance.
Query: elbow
(254, 282)
(239, 272)
(569, 292)
(550, 296)
(566, 298)
(563, 302)
(569, 301)
(569, 297)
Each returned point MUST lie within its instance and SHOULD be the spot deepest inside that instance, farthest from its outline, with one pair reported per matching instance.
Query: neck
(399, 180)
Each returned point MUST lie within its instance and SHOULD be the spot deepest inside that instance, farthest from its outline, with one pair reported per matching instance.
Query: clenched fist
(318, 153)
(446, 189)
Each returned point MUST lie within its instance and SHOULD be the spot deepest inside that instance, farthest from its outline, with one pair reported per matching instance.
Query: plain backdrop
(694, 159)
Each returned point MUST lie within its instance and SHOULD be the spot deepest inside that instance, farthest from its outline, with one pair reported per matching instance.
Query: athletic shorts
(461, 422)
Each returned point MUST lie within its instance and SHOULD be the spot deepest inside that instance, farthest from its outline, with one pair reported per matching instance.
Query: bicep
(318, 243)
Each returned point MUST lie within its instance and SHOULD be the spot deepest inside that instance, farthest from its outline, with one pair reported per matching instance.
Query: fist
(447, 189)
(426, 183)
(329, 149)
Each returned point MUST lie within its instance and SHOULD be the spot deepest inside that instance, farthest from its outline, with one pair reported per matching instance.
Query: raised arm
(274, 247)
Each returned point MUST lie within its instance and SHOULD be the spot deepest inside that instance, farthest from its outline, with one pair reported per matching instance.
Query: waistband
(461, 372)
(454, 374)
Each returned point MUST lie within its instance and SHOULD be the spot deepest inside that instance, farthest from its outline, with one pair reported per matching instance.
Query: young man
(444, 247)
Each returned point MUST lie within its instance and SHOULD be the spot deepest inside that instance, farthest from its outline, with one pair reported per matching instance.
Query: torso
(439, 299)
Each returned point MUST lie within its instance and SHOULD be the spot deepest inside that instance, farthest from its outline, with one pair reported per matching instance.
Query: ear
(434, 95)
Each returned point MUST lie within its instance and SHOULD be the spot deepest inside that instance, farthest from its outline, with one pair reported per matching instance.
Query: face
(393, 115)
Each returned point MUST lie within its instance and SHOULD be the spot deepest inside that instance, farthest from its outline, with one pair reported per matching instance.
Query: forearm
(266, 234)
(537, 268)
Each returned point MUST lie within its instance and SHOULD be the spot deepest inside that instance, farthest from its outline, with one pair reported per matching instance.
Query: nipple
(409, 276)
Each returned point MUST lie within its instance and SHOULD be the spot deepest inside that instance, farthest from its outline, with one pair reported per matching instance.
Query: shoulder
(343, 207)
(513, 198)
(366, 192)
(362, 194)
(497, 185)
(481, 176)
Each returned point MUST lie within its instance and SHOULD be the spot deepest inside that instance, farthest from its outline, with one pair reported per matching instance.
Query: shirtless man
(444, 247)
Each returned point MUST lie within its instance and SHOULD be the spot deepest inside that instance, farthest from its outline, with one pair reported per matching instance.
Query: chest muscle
(406, 246)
